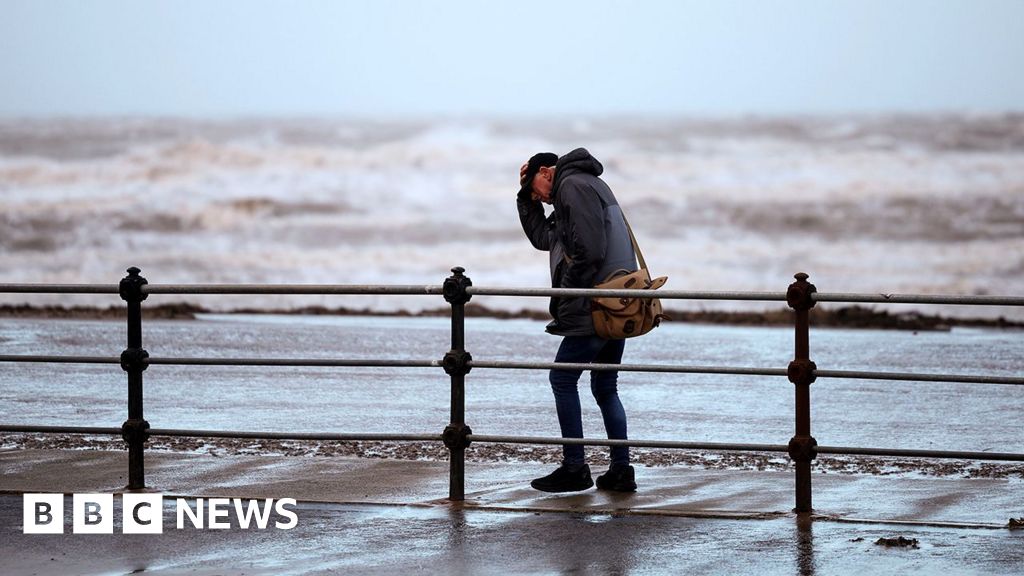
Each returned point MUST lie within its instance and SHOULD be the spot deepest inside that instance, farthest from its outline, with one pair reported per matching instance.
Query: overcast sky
(386, 58)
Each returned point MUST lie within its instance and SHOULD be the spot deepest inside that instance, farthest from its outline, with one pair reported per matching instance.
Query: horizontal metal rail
(238, 434)
(920, 299)
(842, 374)
(908, 377)
(58, 288)
(630, 443)
(61, 359)
(599, 293)
(34, 429)
(320, 289)
(937, 454)
(485, 364)
(854, 451)
(312, 362)
(295, 435)
(628, 368)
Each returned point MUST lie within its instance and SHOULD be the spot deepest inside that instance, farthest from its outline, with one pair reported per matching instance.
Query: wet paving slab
(387, 516)
(379, 539)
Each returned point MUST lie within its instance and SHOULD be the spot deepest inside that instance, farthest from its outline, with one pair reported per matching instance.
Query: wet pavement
(389, 516)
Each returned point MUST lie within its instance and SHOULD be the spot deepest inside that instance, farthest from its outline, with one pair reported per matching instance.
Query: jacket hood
(577, 161)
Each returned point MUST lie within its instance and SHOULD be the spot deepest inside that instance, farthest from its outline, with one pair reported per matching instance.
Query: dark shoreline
(842, 317)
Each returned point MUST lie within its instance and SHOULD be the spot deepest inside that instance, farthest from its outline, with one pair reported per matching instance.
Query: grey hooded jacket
(586, 236)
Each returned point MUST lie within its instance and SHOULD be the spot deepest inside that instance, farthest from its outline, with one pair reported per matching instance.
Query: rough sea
(894, 204)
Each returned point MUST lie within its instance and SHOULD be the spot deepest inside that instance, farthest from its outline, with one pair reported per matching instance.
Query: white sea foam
(933, 205)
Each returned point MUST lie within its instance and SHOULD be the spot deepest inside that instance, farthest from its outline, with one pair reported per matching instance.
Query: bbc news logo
(144, 513)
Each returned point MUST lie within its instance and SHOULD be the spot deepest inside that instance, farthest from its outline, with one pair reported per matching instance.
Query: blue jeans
(586, 350)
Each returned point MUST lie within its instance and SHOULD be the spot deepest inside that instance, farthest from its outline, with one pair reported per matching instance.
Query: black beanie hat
(538, 160)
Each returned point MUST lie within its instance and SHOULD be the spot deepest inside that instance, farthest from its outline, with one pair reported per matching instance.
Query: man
(587, 239)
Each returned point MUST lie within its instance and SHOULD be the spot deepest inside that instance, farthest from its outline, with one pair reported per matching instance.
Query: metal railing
(457, 436)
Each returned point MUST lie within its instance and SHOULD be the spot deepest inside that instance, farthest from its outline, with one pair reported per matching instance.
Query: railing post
(133, 361)
(803, 446)
(456, 364)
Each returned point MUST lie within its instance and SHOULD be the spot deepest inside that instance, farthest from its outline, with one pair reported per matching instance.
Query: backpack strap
(632, 238)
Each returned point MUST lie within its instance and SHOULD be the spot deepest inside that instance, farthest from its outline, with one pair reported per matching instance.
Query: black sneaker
(565, 480)
(619, 478)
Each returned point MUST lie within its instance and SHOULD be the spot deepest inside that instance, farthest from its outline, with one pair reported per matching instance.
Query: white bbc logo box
(92, 514)
(142, 514)
(43, 514)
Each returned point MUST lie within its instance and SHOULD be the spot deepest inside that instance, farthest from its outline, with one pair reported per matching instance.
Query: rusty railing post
(803, 446)
(456, 364)
(133, 361)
